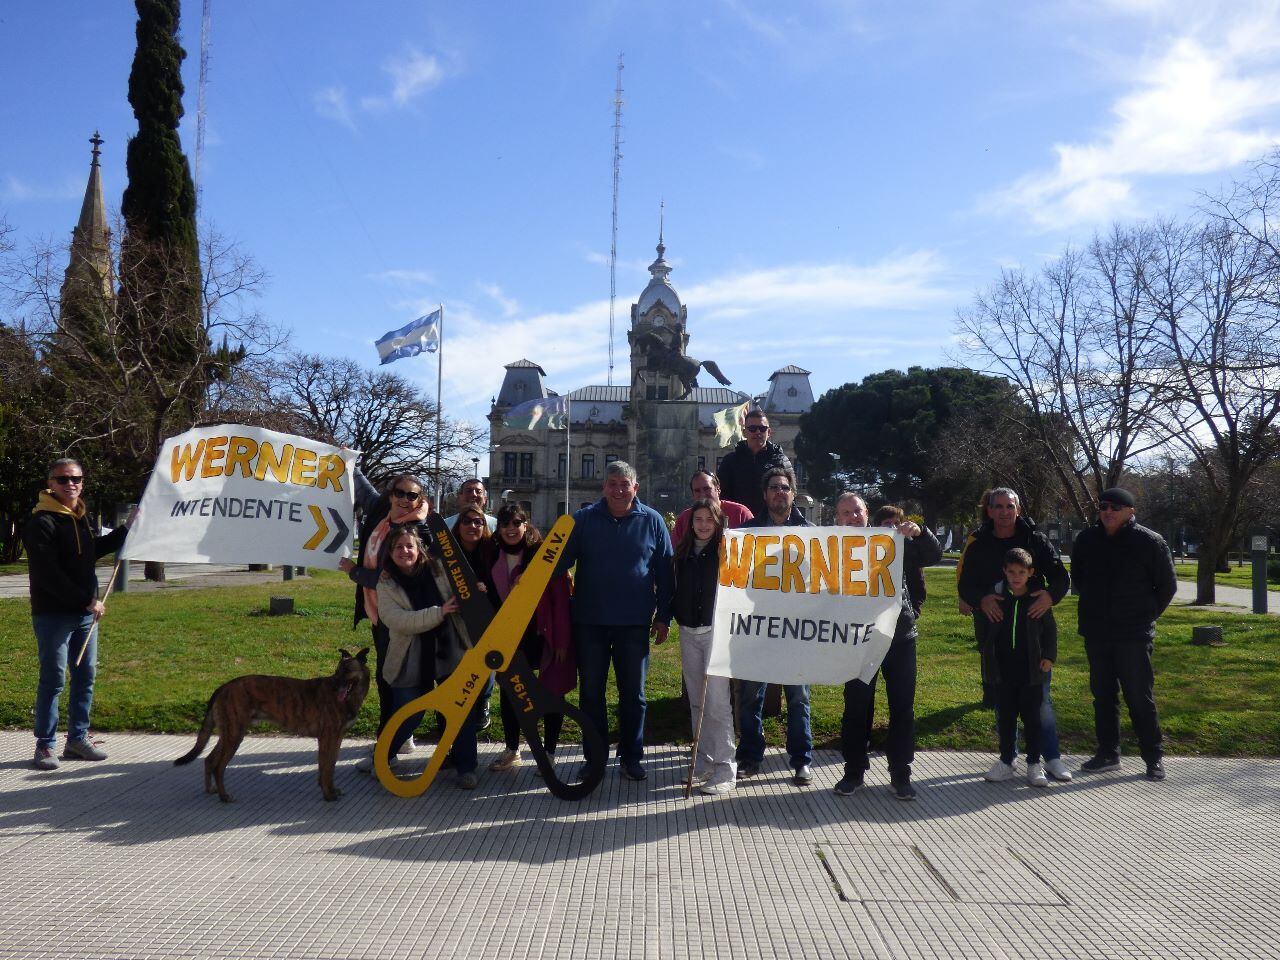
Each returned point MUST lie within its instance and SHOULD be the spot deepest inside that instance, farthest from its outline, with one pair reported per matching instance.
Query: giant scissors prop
(497, 649)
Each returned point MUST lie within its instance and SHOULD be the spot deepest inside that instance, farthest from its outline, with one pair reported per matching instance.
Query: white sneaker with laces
(407, 748)
(1057, 769)
(999, 772)
(717, 789)
(1035, 775)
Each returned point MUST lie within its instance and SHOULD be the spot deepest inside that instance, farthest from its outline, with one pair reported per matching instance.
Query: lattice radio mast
(205, 29)
(617, 169)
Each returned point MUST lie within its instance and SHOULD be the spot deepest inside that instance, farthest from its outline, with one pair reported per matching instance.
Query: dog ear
(363, 655)
(346, 655)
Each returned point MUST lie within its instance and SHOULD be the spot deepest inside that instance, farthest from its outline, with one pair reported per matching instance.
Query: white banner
(235, 494)
(806, 604)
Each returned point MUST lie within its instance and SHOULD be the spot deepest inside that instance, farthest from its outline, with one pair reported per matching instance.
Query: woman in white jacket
(414, 612)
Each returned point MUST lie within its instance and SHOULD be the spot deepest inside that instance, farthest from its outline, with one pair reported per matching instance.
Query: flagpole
(568, 455)
(439, 411)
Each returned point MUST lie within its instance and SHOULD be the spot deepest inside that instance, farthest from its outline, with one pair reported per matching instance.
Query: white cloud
(806, 312)
(905, 282)
(332, 102)
(1207, 101)
(412, 74)
(510, 307)
(19, 191)
(405, 278)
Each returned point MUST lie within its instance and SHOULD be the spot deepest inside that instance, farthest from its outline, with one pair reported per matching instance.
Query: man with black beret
(1123, 574)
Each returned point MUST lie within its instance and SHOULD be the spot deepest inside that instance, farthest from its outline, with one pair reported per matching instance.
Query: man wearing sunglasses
(1123, 574)
(62, 553)
(778, 487)
(472, 491)
(741, 472)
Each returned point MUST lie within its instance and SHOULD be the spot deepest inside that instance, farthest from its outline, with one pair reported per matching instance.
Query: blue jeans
(58, 634)
(1049, 747)
(628, 648)
(751, 723)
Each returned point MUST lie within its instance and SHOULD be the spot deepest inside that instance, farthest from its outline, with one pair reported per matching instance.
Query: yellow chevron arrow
(322, 528)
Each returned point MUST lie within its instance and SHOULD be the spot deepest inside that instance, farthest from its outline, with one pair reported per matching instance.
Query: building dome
(659, 289)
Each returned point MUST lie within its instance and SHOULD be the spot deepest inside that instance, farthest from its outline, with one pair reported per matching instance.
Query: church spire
(89, 273)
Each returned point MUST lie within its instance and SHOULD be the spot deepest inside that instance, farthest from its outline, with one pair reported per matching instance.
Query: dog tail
(202, 738)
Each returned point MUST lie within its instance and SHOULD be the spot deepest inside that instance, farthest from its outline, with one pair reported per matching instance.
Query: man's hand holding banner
(800, 605)
(236, 494)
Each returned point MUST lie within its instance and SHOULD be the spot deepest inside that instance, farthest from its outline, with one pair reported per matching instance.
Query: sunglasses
(1111, 507)
(779, 488)
(757, 428)
(472, 522)
(513, 523)
(65, 480)
(406, 494)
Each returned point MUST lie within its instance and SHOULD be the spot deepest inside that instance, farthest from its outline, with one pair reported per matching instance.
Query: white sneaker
(365, 763)
(999, 772)
(717, 789)
(1035, 775)
(1057, 769)
(407, 748)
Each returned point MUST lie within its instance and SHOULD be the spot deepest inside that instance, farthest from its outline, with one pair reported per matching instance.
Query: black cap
(1118, 495)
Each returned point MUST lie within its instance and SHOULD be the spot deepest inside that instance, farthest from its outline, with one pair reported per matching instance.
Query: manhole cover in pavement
(935, 873)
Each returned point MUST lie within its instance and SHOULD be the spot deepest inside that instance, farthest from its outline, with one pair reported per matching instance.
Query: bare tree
(1213, 291)
(383, 415)
(1078, 343)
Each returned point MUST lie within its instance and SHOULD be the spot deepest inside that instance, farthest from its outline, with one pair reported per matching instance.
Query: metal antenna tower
(617, 169)
(205, 29)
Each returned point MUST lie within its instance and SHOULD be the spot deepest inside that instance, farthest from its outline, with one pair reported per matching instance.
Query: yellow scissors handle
(455, 697)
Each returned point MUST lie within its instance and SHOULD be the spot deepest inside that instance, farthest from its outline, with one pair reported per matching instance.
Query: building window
(527, 507)
(702, 463)
(656, 392)
(560, 508)
(791, 391)
(562, 466)
(588, 466)
(609, 458)
(719, 460)
(526, 466)
(508, 464)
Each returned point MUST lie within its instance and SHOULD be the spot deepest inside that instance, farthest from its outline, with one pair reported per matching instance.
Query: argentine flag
(550, 413)
(411, 339)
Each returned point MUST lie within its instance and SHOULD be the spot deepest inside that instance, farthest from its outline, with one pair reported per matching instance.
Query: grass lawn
(1241, 576)
(162, 654)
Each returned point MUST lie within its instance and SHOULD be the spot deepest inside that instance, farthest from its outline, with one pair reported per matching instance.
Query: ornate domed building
(660, 423)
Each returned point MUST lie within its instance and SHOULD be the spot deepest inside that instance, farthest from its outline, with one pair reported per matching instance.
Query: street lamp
(475, 467)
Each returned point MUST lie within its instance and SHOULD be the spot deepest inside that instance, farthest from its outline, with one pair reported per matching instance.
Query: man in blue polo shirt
(622, 594)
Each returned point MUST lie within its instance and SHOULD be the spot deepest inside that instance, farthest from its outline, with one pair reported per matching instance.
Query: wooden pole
(115, 572)
(697, 737)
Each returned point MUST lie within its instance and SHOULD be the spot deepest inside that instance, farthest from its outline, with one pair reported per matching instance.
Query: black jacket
(696, 576)
(982, 562)
(1038, 636)
(742, 471)
(1124, 582)
(62, 553)
(920, 552)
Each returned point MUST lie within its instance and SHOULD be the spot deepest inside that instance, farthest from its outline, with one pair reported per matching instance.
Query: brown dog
(322, 708)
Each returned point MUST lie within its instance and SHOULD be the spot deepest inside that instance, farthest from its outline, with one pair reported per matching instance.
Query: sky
(836, 178)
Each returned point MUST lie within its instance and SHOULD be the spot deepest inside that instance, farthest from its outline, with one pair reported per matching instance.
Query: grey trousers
(715, 760)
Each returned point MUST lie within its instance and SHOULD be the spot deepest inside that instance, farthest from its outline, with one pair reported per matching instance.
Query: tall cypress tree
(160, 290)
(160, 261)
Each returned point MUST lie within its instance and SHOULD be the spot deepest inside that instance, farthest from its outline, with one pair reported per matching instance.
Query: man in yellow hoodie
(61, 556)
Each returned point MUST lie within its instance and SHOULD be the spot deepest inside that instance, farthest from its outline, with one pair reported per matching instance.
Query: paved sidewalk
(181, 576)
(129, 858)
(1230, 599)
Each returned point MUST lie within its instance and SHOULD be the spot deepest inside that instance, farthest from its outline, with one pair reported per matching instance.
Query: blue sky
(839, 178)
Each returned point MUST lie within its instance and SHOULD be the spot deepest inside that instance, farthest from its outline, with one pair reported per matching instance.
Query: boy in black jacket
(1017, 652)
